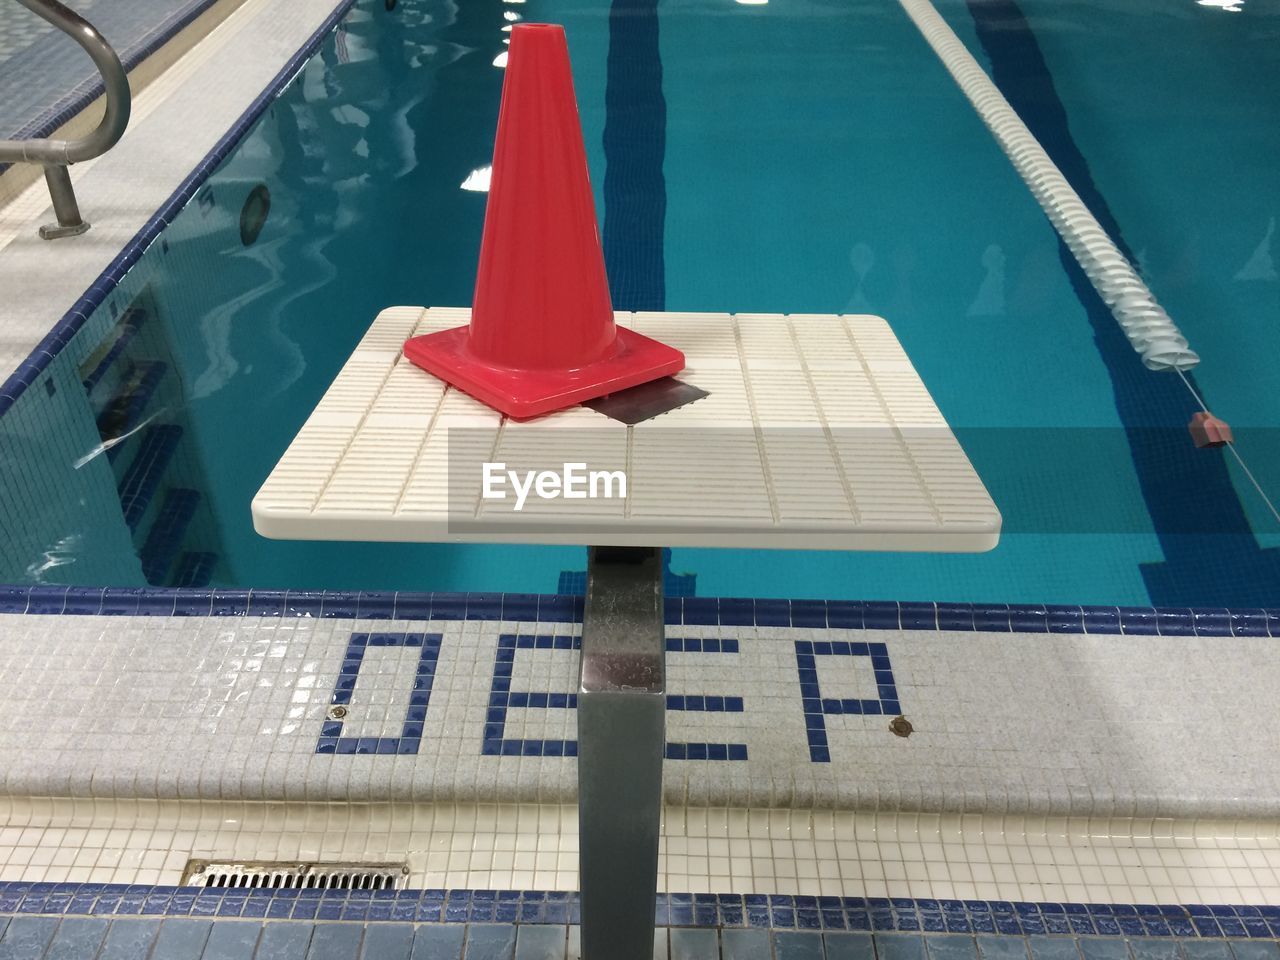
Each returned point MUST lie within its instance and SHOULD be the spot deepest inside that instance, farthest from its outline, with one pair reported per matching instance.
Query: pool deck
(774, 705)
(1083, 758)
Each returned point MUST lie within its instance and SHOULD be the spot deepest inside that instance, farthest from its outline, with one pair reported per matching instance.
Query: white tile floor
(522, 846)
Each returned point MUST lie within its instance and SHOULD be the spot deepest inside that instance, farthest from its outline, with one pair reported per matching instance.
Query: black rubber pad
(646, 401)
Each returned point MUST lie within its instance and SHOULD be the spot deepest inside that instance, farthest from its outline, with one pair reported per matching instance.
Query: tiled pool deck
(1085, 712)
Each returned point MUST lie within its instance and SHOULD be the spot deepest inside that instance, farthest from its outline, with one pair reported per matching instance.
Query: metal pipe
(621, 740)
(114, 79)
(55, 155)
(64, 204)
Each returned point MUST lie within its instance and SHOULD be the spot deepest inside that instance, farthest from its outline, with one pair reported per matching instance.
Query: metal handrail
(56, 155)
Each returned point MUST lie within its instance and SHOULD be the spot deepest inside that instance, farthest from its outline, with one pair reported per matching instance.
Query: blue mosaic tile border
(502, 698)
(686, 611)
(817, 707)
(66, 328)
(332, 739)
(776, 911)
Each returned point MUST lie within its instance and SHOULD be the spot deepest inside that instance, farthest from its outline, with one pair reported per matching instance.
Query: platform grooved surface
(817, 433)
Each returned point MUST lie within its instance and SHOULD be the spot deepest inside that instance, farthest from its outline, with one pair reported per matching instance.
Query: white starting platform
(816, 433)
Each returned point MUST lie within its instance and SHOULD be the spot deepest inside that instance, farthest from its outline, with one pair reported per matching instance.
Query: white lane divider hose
(1149, 329)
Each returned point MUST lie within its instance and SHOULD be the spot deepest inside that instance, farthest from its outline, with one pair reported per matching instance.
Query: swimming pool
(746, 157)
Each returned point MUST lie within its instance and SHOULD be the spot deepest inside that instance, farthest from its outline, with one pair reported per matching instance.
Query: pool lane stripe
(835, 914)
(1221, 568)
(635, 135)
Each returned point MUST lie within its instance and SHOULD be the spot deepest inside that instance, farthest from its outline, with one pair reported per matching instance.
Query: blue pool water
(781, 157)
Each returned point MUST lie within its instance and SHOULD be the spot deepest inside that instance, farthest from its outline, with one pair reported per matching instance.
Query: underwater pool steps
(142, 479)
(125, 331)
(195, 569)
(126, 409)
(167, 533)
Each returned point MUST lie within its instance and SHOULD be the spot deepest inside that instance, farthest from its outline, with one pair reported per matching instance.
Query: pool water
(798, 157)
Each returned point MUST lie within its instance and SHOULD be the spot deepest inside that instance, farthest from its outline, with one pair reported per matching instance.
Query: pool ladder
(56, 155)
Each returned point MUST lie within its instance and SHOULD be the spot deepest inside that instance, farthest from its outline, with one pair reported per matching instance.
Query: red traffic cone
(542, 335)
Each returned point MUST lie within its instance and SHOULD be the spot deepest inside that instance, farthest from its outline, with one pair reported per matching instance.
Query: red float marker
(1208, 431)
(542, 335)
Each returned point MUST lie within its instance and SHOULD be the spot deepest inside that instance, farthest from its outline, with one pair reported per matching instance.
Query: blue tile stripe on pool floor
(756, 911)
(687, 611)
(34, 938)
(24, 937)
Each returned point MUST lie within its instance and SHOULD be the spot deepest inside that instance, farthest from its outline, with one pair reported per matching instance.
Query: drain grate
(276, 875)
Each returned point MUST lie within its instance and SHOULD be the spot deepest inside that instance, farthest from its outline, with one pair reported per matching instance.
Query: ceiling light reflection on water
(478, 179)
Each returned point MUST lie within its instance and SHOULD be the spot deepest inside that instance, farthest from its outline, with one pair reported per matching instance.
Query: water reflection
(862, 258)
(989, 301)
(478, 179)
(1261, 265)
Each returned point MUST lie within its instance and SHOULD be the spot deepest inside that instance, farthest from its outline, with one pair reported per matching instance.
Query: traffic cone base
(521, 392)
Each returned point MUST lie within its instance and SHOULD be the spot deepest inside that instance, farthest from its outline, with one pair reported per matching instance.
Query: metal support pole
(621, 741)
(64, 204)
